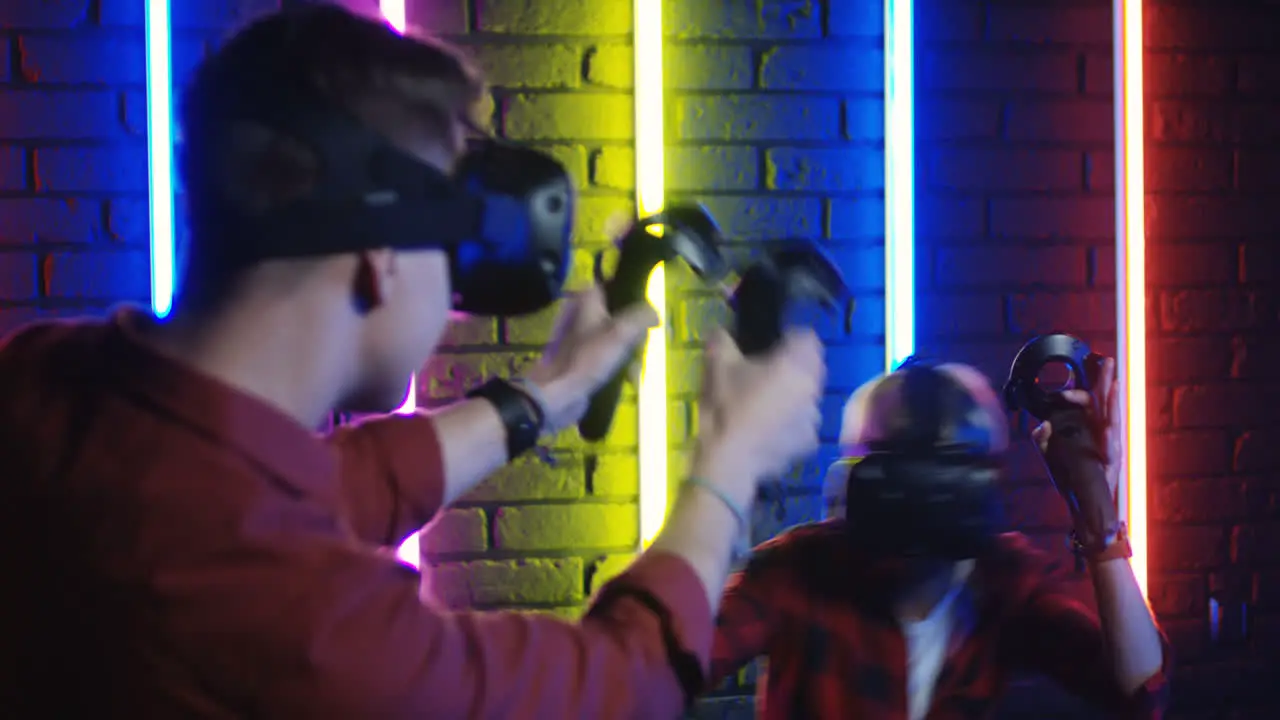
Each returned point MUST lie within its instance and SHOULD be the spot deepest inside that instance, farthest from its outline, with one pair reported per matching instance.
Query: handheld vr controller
(685, 232)
(1075, 456)
(792, 279)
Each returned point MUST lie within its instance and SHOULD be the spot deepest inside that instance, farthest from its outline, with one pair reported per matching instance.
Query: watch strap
(522, 417)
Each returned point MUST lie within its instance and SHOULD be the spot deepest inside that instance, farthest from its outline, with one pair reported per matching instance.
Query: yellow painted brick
(451, 375)
(535, 476)
(534, 329)
(611, 66)
(608, 568)
(574, 159)
(566, 527)
(446, 585)
(599, 217)
(471, 331)
(527, 582)
(614, 168)
(542, 66)
(554, 17)
(568, 614)
(556, 116)
(457, 530)
(616, 475)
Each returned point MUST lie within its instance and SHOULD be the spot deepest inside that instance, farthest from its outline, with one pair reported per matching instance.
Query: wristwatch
(521, 415)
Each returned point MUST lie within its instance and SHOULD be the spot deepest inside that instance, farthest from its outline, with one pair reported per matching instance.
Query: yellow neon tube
(1131, 281)
(650, 191)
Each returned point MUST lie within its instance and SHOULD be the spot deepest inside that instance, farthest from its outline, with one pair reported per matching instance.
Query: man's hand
(1081, 446)
(1103, 409)
(586, 349)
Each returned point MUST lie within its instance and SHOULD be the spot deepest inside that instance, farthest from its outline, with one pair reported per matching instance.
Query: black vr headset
(505, 216)
(919, 495)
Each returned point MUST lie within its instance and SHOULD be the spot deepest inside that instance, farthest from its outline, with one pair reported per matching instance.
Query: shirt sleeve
(1058, 635)
(749, 616)
(392, 475)
(350, 638)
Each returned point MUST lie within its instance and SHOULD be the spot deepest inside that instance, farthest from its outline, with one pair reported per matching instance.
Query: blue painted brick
(811, 472)
(848, 366)
(844, 67)
(857, 218)
(17, 276)
(94, 57)
(98, 275)
(120, 169)
(832, 407)
(862, 265)
(772, 516)
(13, 168)
(760, 218)
(825, 170)
(743, 118)
(864, 119)
(61, 114)
(44, 15)
(29, 220)
(737, 19)
(856, 18)
(218, 15)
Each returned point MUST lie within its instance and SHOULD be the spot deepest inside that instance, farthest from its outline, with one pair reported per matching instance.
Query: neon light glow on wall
(394, 13)
(160, 155)
(650, 191)
(899, 170)
(1131, 280)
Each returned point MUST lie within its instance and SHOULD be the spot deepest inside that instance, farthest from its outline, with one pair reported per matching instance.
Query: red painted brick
(1208, 28)
(1053, 217)
(1049, 24)
(1061, 121)
(1179, 596)
(1184, 548)
(1168, 75)
(1259, 75)
(1200, 218)
(1202, 264)
(1199, 501)
(1257, 451)
(1188, 358)
(995, 169)
(1004, 266)
(1078, 312)
(1190, 453)
(1208, 310)
(1100, 171)
(1254, 357)
(1225, 405)
(1259, 262)
(941, 216)
(1257, 169)
(1212, 121)
(1181, 169)
(1255, 544)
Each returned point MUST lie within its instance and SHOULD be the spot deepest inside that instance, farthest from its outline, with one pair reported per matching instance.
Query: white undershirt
(928, 641)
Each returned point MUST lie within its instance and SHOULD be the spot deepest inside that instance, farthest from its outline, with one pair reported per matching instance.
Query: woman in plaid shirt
(848, 634)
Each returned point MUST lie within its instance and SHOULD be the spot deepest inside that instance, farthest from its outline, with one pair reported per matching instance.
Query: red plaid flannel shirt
(833, 654)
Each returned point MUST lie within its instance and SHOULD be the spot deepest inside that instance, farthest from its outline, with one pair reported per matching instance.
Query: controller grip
(624, 290)
(759, 304)
(595, 423)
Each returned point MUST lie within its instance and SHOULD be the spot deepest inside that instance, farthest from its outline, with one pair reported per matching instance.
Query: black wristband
(520, 415)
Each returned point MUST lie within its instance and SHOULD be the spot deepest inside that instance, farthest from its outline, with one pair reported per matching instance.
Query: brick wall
(775, 122)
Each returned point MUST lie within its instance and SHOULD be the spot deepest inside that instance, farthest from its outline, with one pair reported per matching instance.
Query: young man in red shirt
(179, 543)
(852, 626)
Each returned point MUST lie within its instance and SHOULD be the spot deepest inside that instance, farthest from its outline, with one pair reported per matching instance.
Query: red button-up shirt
(176, 548)
(834, 651)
